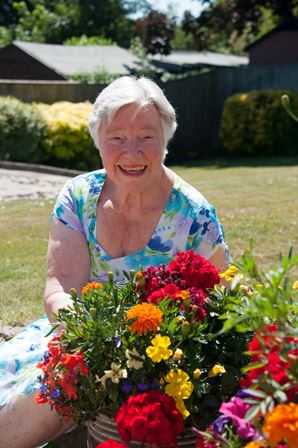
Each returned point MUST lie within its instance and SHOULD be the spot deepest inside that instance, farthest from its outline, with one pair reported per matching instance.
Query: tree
(55, 21)
(155, 31)
(234, 19)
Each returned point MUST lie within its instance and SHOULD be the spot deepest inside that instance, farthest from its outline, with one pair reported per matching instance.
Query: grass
(258, 202)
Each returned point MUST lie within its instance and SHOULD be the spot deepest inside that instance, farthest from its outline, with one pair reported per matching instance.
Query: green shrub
(255, 123)
(22, 130)
(68, 142)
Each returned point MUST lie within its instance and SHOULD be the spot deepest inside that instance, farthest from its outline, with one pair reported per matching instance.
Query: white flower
(133, 361)
(115, 374)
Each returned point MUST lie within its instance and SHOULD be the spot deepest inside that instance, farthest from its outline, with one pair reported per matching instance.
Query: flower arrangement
(264, 412)
(150, 353)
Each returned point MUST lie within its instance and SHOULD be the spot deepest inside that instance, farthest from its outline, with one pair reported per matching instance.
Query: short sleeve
(206, 233)
(65, 209)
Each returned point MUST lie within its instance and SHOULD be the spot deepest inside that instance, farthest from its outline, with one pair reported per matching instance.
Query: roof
(67, 60)
(188, 60)
(287, 25)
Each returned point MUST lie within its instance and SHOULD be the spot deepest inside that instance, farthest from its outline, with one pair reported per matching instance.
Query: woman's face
(132, 146)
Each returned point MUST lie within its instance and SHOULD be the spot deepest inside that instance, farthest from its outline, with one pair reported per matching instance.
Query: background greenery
(252, 201)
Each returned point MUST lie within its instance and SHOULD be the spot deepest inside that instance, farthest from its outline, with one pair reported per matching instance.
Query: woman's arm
(68, 267)
(219, 259)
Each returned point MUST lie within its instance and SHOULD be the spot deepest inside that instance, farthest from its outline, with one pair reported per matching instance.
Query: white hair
(127, 90)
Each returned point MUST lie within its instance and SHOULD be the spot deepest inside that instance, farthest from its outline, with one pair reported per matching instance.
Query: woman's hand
(68, 267)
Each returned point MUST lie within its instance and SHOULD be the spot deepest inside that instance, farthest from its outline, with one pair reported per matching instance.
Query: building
(278, 46)
(183, 61)
(35, 61)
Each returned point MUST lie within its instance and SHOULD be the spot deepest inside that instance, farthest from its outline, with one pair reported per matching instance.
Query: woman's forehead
(132, 114)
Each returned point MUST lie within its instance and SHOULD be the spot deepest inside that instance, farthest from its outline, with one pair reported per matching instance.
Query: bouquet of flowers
(150, 353)
(264, 412)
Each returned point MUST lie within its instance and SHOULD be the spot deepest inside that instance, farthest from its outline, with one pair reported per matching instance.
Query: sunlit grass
(251, 202)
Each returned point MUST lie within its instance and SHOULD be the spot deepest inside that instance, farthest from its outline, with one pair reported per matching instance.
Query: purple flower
(117, 342)
(219, 423)
(155, 384)
(55, 394)
(142, 387)
(126, 387)
(43, 388)
(236, 410)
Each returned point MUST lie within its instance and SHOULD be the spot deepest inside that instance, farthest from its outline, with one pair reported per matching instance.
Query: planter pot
(104, 428)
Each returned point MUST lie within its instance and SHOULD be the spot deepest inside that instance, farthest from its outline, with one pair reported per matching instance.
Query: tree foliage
(54, 22)
(156, 31)
(229, 20)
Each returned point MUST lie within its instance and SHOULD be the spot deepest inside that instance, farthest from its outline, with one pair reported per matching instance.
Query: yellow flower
(196, 374)
(178, 354)
(282, 424)
(184, 294)
(230, 273)
(182, 408)
(180, 388)
(295, 286)
(259, 444)
(159, 349)
(217, 369)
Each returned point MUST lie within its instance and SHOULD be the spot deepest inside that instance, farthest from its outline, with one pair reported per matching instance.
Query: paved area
(18, 184)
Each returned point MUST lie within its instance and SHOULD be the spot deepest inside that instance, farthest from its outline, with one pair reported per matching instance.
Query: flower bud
(73, 293)
(93, 311)
(180, 318)
(196, 374)
(140, 278)
(110, 276)
(185, 328)
(178, 354)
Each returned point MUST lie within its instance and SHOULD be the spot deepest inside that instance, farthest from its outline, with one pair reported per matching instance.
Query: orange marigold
(91, 285)
(260, 444)
(282, 424)
(146, 317)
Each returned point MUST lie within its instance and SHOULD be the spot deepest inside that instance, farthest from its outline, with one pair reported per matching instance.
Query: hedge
(255, 123)
(22, 131)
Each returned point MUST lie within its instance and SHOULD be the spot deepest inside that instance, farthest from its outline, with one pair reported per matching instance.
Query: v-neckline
(100, 248)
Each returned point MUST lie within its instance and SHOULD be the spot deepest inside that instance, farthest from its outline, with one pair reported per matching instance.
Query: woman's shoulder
(189, 196)
(90, 182)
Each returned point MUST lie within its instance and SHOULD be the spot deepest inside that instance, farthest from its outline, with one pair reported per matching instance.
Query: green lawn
(252, 202)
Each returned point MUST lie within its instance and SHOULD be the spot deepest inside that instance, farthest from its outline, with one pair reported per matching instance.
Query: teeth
(135, 170)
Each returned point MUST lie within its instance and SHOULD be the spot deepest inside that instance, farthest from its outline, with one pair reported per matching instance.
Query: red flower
(75, 362)
(110, 444)
(151, 417)
(195, 270)
(169, 291)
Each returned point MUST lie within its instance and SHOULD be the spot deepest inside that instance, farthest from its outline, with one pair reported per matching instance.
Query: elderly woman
(134, 213)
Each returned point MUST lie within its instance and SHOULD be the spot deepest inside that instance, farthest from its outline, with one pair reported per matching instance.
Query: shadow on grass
(225, 162)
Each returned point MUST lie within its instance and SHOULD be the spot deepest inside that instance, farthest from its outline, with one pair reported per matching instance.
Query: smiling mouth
(133, 171)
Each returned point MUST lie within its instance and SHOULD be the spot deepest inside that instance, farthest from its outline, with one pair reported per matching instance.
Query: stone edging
(38, 168)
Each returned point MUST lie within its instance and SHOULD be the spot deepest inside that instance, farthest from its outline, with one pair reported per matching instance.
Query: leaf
(255, 393)
(252, 412)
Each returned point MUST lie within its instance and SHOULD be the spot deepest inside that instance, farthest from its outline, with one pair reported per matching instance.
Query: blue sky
(194, 6)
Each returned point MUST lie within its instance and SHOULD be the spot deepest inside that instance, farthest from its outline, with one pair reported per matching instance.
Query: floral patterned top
(188, 221)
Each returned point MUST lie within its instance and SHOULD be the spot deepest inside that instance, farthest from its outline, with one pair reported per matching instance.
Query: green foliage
(236, 23)
(99, 76)
(5, 35)
(255, 123)
(267, 296)
(182, 40)
(22, 130)
(144, 68)
(54, 22)
(84, 40)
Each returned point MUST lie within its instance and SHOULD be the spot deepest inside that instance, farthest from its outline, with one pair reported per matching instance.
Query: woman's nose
(132, 146)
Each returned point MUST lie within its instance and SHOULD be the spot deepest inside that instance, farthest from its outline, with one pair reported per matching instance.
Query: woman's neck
(148, 198)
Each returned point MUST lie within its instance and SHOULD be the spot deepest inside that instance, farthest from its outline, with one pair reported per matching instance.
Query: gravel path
(17, 184)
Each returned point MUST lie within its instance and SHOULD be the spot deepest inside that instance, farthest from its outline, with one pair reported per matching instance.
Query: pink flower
(236, 410)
